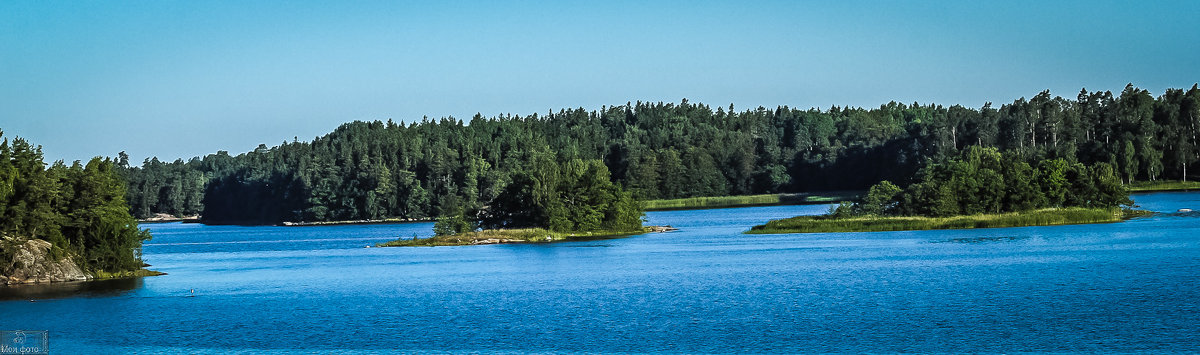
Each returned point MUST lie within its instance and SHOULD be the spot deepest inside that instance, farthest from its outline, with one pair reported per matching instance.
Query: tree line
(79, 208)
(987, 181)
(372, 170)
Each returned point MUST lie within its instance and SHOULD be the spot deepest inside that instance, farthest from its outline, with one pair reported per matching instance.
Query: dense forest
(80, 209)
(372, 170)
(986, 181)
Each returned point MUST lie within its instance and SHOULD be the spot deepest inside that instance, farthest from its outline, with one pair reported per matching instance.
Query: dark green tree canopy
(577, 196)
(984, 180)
(80, 209)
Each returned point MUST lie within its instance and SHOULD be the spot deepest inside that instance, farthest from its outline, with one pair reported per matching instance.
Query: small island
(980, 188)
(516, 236)
(707, 202)
(64, 222)
(550, 202)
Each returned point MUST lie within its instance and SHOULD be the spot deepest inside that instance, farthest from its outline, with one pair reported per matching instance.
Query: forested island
(421, 170)
(63, 222)
(552, 202)
(981, 188)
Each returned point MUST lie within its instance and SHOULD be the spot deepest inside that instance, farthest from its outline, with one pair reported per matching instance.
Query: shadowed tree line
(372, 170)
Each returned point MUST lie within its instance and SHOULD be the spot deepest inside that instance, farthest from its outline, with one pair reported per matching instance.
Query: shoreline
(1163, 186)
(143, 272)
(1149, 191)
(683, 204)
(1035, 218)
(516, 236)
(352, 222)
(782, 199)
(88, 277)
(186, 219)
(173, 220)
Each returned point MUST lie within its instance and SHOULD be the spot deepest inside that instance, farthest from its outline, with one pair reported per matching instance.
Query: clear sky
(185, 78)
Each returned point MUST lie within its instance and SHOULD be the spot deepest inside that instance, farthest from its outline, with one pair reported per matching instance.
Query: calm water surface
(1125, 287)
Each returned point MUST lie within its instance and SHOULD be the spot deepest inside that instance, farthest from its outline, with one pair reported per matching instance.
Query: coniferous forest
(374, 170)
(80, 209)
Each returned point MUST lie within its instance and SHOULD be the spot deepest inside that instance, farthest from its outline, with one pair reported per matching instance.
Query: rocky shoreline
(166, 218)
(29, 261)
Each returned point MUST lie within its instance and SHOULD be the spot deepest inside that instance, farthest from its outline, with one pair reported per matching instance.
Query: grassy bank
(748, 200)
(1163, 185)
(1042, 217)
(104, 275)
(511, 236)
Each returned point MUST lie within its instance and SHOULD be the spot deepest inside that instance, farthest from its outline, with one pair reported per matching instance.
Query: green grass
(103, 275)
(1042, 217)
(506, 236)
(747, 200)
(1163, 185)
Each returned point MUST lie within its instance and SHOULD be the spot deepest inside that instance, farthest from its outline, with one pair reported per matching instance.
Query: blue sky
(184, 78)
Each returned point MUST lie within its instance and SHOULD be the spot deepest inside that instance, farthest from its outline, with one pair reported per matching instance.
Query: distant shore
(696, 203)
(699, 203)
(166, 218)
(1163, 186)
(360, 221)
(517, 236)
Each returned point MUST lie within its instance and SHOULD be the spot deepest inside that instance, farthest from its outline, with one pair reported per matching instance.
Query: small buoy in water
(1185, 210)
(193, 293)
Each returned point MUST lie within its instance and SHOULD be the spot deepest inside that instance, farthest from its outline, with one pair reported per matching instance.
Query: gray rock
(29, 261)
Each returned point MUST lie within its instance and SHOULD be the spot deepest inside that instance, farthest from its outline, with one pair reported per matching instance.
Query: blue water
(1125, 287)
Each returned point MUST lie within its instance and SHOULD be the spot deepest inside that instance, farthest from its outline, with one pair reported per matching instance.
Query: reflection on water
(101, 288)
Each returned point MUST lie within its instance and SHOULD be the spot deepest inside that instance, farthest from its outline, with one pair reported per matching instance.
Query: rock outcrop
(27, 261)
(661, 229)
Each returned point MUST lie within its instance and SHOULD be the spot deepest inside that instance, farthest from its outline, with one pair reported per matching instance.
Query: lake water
(1125, 287)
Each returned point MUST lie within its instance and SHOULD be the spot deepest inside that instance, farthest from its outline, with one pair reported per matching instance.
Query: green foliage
(577, 196)
(452, 224)
(1052, 177)
(453, 219)
(844, 209)
(377, 170)
(1164, 185)
(983, 180)
(80, 209)
(175, 188)
(881, 199)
